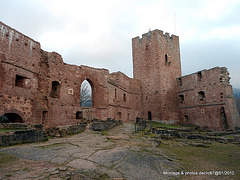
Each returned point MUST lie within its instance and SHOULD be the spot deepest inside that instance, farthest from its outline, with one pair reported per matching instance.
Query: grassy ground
(213, 157)
(158, 125)
(218, 157)
(7, 130)
(6, 158)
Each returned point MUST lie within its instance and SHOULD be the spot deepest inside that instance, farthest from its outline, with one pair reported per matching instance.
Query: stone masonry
(38, 87)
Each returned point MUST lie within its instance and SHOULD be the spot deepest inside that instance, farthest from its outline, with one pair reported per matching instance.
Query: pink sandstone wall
(157, 92)
(22, 57)
(156, 64)
(216, 110)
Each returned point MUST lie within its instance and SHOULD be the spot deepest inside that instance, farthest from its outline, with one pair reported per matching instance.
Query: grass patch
(159, 125)
(153, 135)
(51, 145)
(8, 130)
(104, 176)
(218, 157)
(26, 169)
(105, 132)
(6, 158)
(229, 136)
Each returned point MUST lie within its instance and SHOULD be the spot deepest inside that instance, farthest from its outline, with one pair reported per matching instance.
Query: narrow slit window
(166, 59)
(124, 97)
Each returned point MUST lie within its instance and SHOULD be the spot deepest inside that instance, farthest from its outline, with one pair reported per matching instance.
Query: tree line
(236, 94)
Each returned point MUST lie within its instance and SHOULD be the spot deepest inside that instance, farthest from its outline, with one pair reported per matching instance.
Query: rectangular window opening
(20, 81)
(79, 115)
(44, 116)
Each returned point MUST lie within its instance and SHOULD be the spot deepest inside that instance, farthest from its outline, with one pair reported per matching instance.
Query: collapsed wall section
(206, 99)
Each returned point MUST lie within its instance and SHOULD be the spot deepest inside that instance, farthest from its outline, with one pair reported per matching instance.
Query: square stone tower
(156, 63)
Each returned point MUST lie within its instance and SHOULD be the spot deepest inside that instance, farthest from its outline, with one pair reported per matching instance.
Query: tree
(86, 94)
(236, 94)
(4, 119)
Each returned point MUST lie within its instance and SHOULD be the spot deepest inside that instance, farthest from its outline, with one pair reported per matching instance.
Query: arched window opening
(124, 97)
(11, 118)
(86, 94)
(55, 93)
(181, 96)
(201, 95)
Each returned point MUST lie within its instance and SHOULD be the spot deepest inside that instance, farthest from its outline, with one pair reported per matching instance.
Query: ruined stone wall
(19, 67)
(206, 99)
(156, 64)
(124, 97)
(41, 88)
(62, 109)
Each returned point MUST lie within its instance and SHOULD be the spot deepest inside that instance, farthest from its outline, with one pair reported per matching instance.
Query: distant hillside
(236, 94)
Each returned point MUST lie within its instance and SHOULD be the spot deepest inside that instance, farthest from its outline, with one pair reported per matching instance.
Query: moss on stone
(6, 158)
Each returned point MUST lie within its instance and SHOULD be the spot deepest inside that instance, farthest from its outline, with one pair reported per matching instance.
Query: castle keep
(38, 87)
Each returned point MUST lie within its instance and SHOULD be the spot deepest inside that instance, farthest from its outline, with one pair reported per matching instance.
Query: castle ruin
(37, 87)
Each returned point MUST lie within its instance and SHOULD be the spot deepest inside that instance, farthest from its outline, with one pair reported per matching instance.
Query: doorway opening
(149, 115)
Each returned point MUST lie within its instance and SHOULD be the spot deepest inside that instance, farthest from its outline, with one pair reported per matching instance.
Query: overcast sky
(98, 33)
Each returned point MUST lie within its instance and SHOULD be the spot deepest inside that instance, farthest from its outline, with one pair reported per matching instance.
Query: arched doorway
(86, 99)
(11, 118)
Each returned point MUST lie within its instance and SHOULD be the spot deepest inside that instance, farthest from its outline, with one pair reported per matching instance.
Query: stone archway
(86, 93)
(11, 118)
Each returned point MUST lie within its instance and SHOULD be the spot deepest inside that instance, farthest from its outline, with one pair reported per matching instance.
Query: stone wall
(37, 87)
(104, 125)
(62, 131)
(28, 75)
(13, 126)
(21, 137)
(206, 99)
